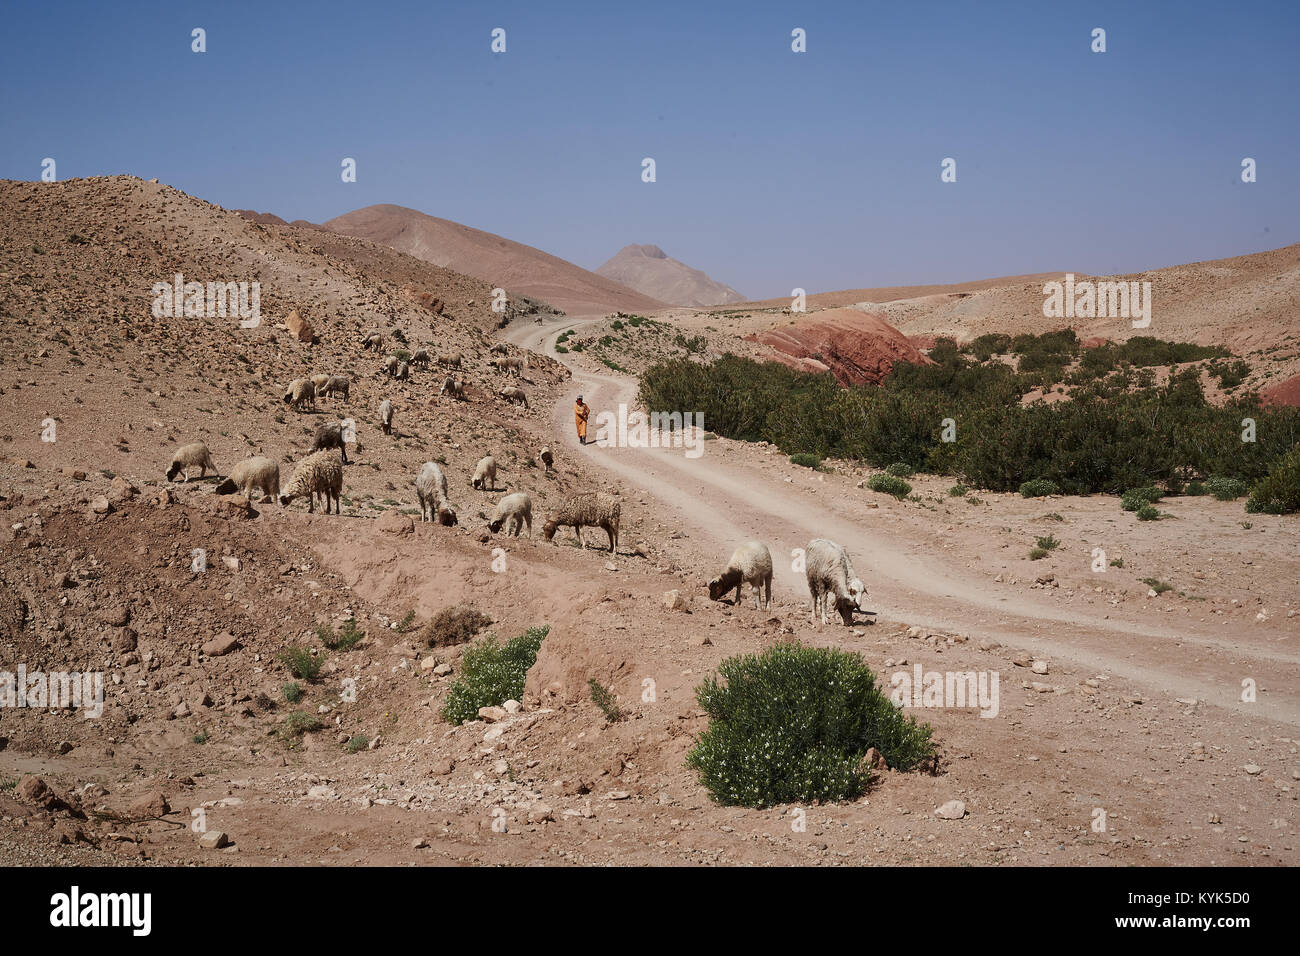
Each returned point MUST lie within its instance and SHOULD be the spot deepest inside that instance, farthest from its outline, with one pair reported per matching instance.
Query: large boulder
(856, 347)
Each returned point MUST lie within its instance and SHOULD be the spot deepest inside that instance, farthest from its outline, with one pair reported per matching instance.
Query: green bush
(806, 460)
(346, 639)
(1226, 489)
(604, 699)
(299, 723)
(793, 724)
(358, 742)
(1036, 554)
(1148, 513)
(1196, 489)
(292, 692)
(1135, 498)
(302, 663)
(1039, 488)
(1279, 492)
(958, 491)
(900, 469)
(889, 485)
(1049, 543)
(491, 674)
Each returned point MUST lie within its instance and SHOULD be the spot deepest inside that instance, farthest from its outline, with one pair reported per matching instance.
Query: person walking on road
(581, 411)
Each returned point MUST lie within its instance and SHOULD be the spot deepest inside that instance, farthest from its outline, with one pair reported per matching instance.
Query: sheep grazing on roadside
(338, 385)
(449, 360)
(301, 392)
(386, 416)
(511, 366)
(454, 385)
(514, 394)
(403, 372)
(256, 472)
(485, 474)
(431, 489)
(319, 381)
(751, 563)
(515, 510)
(193, 455)
(374, 340)
(830, 577)
(331, 435)
(591, 509)
(320, 474)
(547, 458)
(421, 357)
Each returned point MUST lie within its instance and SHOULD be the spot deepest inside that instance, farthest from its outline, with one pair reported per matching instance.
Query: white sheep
(320, 380)
(431, 489)
(751, 563)
(321, 475)
(591, 509)
(300, 392)
(421, 357)
(485, 474)
(449, 359)
(337, 384)
(517, 510)
(256, 472)
(193, 455)
(391, 364)
(403, 372)
(511, 366)
(547, 458)
(375, 340)
(830, 576)
(386, 416)
(499, 349)
(514, 394)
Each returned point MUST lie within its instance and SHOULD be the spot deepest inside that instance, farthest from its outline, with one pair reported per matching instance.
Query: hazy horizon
(775, 169)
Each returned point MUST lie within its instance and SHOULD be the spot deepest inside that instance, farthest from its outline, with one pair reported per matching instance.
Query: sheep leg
(577, 529)
(769, 592)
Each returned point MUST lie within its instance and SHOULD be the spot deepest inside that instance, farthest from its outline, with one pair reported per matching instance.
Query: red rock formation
(857, 347)
(1283, 393)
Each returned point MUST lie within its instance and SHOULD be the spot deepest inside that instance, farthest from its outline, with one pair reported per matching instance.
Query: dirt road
(723, 503)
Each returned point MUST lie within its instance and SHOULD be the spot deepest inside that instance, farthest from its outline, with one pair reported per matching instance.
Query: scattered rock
(952, 810)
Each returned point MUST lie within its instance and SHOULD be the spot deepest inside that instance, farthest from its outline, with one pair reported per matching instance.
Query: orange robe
(580, 412)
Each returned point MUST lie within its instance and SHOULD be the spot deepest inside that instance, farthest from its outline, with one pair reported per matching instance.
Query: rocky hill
(649, 270)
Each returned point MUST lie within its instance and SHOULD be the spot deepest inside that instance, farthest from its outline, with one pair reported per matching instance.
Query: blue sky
(774, 169)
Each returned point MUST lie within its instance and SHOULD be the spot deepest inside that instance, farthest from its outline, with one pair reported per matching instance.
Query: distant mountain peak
(651, 271)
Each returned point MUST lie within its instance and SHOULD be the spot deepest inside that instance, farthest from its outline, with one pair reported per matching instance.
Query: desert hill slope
(649, 270)
(496, 260)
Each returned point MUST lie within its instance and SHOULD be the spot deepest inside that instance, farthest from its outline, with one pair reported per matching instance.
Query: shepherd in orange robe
(580, 413)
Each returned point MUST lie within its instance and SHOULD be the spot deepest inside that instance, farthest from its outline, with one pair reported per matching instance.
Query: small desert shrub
(347, 638)
(292, 692)
(1196, 489)
(1036, 554)
(1117, 562)
(299, 723)
(603, 699)
(491, 674)
(1160, 587)
(302, 663)
(1148, 513)
(454, 625)
(406, 622)
(359, 742)
(890, 485)
(793, 724)
(1135, 498)
(200, 738)
(806, 460)
(900, 469)
(1049, 543)
(1225, 489)
(958, 491)
(1039, 488)
(1279, 492)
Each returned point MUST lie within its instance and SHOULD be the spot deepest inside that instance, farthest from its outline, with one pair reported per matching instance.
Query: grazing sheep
(193, 455)
(374, 340)
(259, 472)
(511, 366)
(321, 475)
(449, 360)
(485, 474)
(338, 384)
(830, 576)
(547, 458)
(320, 381)
(386, 416)
(421, 357)
(390, 365)
(591, 509)
(431, 489)
(330, 435)
(751, 563)
(454, 385)
(299, 393)
(499, 349)
(514, 394)
(403, 372)
(517, 509)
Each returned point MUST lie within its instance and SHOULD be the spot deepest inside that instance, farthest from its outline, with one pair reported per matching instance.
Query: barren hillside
(649, 270)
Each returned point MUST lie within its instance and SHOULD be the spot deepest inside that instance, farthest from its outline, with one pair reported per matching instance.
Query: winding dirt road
(723, 504)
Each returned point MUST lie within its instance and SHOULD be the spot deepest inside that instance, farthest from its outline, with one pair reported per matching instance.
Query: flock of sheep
(826, 565)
